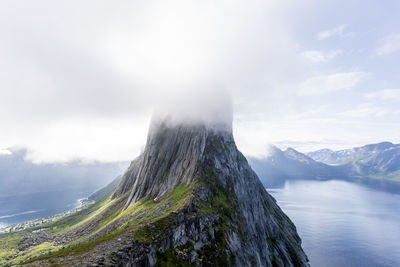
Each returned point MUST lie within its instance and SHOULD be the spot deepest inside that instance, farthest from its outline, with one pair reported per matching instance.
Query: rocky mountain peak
(190, 199)
(227, 198)
(172, 154)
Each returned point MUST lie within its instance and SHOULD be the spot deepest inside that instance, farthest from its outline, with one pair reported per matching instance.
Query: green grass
(175, 200)
(9, 241)
(11, 255)
(74, 220)
(8, 247)
(41, 249)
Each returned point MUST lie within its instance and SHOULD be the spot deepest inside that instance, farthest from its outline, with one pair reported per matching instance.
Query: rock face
(170, 158)
(230, 219)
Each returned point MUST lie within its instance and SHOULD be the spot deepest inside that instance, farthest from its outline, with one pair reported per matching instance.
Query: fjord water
(26, 207)
(343, 223)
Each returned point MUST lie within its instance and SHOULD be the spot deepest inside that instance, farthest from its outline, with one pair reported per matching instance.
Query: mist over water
(342, 223)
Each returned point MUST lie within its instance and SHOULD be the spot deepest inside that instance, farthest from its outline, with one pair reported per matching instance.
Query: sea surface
(343, 223)
(26, 207)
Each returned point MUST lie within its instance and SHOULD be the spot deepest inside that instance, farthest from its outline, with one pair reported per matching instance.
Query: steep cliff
(190, 199)
(230, 218)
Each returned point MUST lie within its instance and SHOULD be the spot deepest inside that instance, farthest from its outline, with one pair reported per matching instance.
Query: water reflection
(343, 223)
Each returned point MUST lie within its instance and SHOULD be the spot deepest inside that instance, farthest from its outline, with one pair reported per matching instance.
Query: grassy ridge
(132, 219)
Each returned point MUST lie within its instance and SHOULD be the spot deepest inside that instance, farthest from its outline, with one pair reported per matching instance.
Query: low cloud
(322, 84)
(369, 110)
(386, 94)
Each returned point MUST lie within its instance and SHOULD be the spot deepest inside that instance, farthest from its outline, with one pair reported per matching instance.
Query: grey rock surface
(248, 229)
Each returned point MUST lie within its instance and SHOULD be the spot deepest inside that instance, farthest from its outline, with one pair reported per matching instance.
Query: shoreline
(83, 203)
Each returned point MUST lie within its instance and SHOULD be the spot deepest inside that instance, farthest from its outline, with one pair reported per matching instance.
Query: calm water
(342, 223)
(21, 208)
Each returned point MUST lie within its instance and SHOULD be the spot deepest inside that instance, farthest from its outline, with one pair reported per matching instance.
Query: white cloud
(75, 87)
(322, 84)
(5, 151)
(325, 34)
(107, 139)
(117, 61)
(310, 112)
(316, 56)
(386, 94)
(369, 110)
(388, 45)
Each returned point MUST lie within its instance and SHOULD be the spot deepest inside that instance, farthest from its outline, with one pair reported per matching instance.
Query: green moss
(215, 254)
(168, 258)
(275, 262)
(253, 261)
(178, 199)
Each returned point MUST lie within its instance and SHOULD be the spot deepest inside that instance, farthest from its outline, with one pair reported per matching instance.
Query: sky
(80, 79)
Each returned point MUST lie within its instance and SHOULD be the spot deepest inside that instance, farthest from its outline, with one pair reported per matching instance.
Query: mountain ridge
(380, 160)
(280, 166)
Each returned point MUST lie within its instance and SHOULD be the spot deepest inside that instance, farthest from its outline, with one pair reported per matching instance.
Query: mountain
(280, 166)
(325, 155)
(191, 199)
(103, 192)
(19, 176)
(380, 160)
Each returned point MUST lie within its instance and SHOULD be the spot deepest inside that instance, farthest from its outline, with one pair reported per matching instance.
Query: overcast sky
(79, 79)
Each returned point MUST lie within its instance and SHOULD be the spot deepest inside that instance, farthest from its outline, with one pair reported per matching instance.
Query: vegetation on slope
(110, 223)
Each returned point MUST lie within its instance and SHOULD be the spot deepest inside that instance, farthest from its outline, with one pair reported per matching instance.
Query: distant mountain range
(19, 176)
(380, 160)
(280, 166)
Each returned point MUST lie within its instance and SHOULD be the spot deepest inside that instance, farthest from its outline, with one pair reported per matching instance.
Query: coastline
(83, 203)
